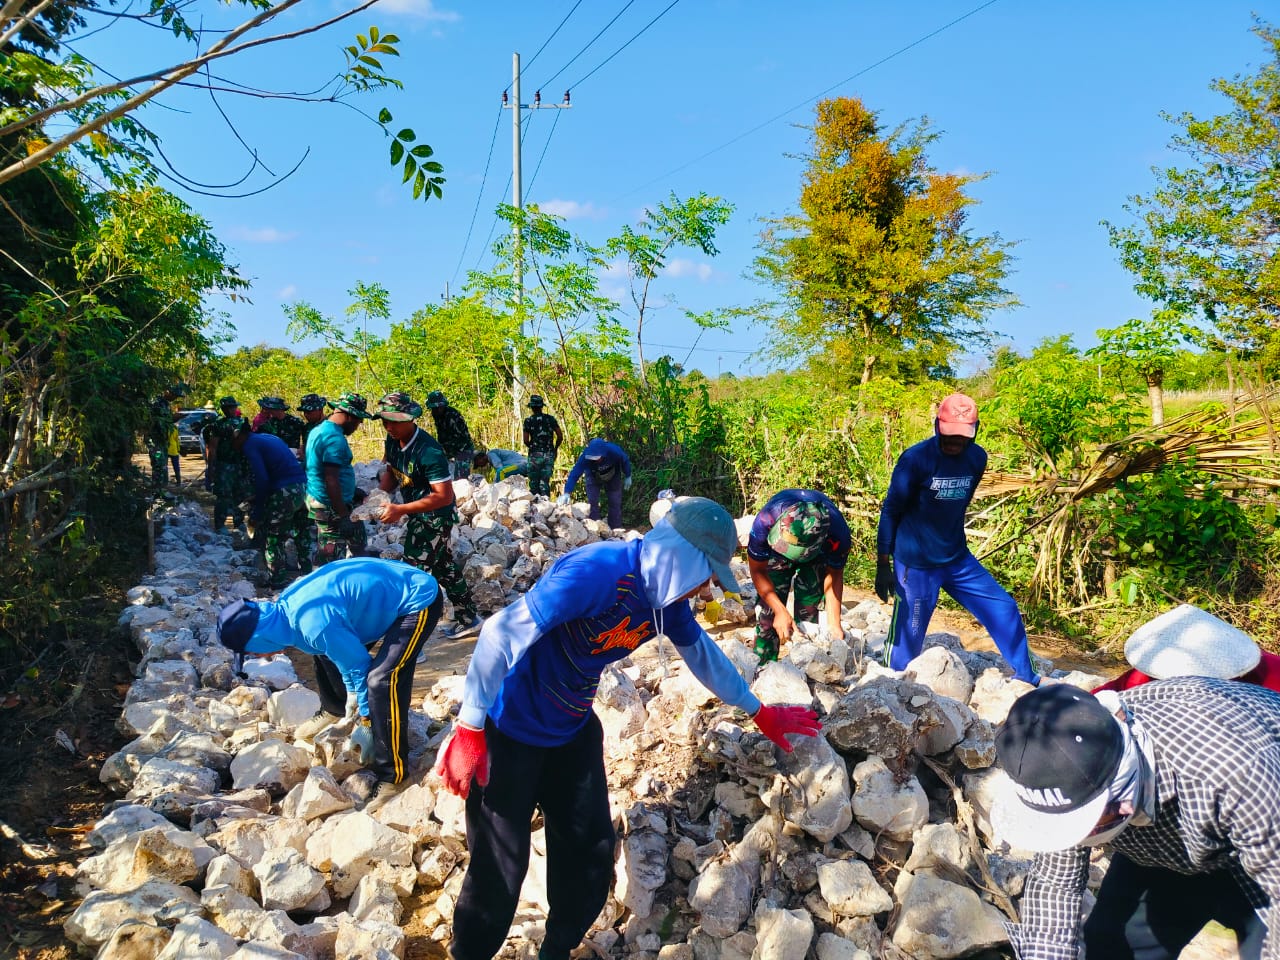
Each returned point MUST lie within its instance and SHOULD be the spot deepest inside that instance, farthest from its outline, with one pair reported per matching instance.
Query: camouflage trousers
(285, 518)
(426, 546)
(541, 463)
(807, 579)
(159, 465)
(230, 488)
(461, 464)
(337, 537)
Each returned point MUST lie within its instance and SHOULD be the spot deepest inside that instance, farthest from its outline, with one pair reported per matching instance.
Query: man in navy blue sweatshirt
(921, 547)
(605, 465)
(279, 512)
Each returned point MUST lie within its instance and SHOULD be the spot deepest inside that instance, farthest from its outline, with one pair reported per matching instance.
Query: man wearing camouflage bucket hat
(227, 472)
(453, 434)
(331, 481)
(800, 538)
(542, 437)
(416, 466)
(279, 422)
(159, 435)
(312, 406)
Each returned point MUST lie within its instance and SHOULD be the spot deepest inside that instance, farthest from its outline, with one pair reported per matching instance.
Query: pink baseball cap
(958, 416)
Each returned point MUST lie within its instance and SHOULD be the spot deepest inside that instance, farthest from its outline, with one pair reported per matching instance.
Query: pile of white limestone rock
(233, 838)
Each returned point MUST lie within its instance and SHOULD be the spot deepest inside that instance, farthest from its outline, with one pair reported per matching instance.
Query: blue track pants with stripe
(970, 585)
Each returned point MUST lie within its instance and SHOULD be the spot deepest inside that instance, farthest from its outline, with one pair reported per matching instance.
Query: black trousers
(1146, 913)
(390, 688)
(568, 783)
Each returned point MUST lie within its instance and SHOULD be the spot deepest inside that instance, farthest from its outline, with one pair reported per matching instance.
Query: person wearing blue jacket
(338, 614)
(921, 546)
(605, 465)
(526, 736)
(279, 510)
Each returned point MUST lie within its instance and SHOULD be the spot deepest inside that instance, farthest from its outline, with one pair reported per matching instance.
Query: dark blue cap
(236, 624)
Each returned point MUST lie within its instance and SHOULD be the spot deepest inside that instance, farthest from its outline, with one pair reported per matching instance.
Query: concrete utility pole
(515, 106)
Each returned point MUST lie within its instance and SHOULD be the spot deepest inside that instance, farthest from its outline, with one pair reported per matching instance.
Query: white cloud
(680, 267)
(572, 210)
(421, 9)
(261, 234)
(287, 292)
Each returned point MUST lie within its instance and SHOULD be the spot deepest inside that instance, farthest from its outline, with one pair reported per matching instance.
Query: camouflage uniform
(288, 428)
(285, 518)
(337, 536)
(455, 438)
(158, 440)
(426, 544)
(541, 429)
(231, 481)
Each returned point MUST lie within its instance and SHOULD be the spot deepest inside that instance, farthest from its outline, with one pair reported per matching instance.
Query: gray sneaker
(464, 628)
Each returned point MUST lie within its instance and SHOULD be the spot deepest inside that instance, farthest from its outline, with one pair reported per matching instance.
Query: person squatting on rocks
(1180, 779)
(279, 510)
(605, 465)
(338, 614)
(162, 436)
(415, 465)
(453, 435)
(312, 406)
(799, 538)
(921, 546)
(496, 464)
(226, 472)
(279, 422)
(526, 736)
(331, 481)
(1189, 642)
(542, 438)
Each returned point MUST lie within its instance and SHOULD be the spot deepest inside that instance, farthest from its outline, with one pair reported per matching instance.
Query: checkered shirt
(1217, 760)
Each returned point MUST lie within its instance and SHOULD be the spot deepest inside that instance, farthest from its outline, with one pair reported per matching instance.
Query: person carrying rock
(279, 510)
(1180, 780)
(415, 465)
(526, 736)
(496, 464)
(338, 614)
(331, 481)
(312, 406)
(921, 546)
(226, 471)
(801, 538)
(279, 422)
(542, 438)
(452, 433)
(605, 465)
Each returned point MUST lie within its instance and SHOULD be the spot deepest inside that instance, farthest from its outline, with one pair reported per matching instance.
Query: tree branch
(21, 22)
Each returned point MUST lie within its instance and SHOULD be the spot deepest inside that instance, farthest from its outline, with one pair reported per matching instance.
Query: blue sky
(1058, 102)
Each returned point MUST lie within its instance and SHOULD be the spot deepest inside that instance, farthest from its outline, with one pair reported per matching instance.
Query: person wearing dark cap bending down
(1180, 779)
(605, 465)
(339, 614)
(526, 735)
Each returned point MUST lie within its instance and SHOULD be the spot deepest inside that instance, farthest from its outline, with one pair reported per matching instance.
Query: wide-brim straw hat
(1190, 642)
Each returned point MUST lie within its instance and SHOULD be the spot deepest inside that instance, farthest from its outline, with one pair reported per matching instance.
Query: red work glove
(463, 757)
(776, 722)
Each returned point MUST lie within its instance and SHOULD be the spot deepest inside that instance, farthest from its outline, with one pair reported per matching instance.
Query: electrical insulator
(537, 98)
(504, 98)
(566, 98)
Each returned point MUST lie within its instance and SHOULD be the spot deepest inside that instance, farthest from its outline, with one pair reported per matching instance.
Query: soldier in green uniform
(279, 510)
(280, 423)
(542, 435)
(454, 437)
(312, 407)
(331, 481)
(229, 471)
(161, 425)
(416, 466)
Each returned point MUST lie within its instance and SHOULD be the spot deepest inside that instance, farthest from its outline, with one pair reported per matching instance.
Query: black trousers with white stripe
(390, 688)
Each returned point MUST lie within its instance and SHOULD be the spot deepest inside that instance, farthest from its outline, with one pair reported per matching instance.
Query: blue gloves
(626, 483)
(362, 740)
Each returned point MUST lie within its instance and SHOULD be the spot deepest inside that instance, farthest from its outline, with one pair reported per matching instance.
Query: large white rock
(101, 912)
(409, 811)
(993, 695)
(818, 801)
(195, 938)
(274, 672)
(369, 940)
(158, 776)
(274, 765)
(642, 869)
(782, 682)
(938, 847)
(350, 845)
(121, 822)
(292, 706)
(286, 881)
(781, 934)
(850, 889)
(318, 795)
(375, 900)
(264, 950)
(832, 946)
(160, 853)
(225, 870)
(938, 920)
(883, 804)
(943, 672)
(134, 940)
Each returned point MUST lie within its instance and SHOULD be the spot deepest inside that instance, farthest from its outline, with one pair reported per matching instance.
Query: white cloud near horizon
(681, 267)
(421, 9)
(287, 292)
(572, 210)
(261, 234)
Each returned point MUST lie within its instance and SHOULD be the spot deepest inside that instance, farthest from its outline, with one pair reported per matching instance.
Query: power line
(479, 196)
(807, 100)
(625, 45)
(680, 346)
(574, 58)
(529, 64)
(551, 133)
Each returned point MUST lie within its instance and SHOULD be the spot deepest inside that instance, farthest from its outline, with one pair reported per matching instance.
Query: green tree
(879, 261)
(1206, 239)
(1148, 345)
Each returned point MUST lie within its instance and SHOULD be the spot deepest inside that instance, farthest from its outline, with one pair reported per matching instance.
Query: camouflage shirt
(223, 431)
(161, 422)
(416, 466)
(541, 428)
(452, 431)
(288, 428)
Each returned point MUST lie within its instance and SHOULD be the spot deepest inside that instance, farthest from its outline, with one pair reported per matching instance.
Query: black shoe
(361, 785)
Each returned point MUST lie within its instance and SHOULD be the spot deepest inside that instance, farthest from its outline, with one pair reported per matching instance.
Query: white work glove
(626, 483)
(353, 707)
(563, 500)
(362, 740)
